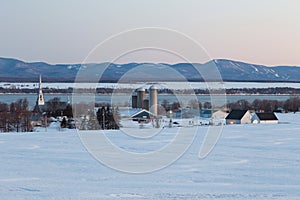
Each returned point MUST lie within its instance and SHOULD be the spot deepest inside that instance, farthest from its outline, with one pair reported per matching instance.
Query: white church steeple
(40, 100)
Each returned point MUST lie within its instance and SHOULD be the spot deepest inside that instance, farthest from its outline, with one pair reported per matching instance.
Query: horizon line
(146, 62)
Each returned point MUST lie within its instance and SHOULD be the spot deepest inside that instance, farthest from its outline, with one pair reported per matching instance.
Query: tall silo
(153, 99)
(141, 93)
(146, 104)
(134, 101)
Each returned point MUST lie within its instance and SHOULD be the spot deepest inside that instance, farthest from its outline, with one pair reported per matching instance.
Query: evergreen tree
(116, 118)
(101, 117)
(108, 118)
(93, 123)
(63, 123)
(84, 122)
(90, 122)
(68, 111)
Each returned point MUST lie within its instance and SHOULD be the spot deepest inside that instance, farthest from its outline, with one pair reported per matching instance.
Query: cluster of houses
(141, 113)
(206, 117)
(146, 110)
(246, 117)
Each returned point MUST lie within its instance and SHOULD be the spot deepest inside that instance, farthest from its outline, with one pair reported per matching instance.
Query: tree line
(289, 105)
(106, 118)
(192, 104)
(102, 90)
(15, 116)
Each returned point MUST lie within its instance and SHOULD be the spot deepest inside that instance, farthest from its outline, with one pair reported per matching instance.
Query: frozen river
(122, 99)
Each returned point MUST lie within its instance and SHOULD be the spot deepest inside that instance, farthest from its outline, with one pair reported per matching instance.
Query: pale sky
(59, 31)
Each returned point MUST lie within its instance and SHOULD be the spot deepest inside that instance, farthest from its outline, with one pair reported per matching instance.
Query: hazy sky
(57, 31)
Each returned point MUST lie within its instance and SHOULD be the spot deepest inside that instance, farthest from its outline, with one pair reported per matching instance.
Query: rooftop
(236, 114)
(266, 116)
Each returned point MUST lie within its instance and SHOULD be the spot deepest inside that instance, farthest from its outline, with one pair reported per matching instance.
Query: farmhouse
(219, 114)
(238, 117)
(264, 118)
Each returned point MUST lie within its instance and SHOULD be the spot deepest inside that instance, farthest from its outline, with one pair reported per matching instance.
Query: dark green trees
(108, 118)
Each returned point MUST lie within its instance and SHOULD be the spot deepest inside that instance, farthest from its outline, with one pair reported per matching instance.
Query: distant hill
(240, 71)
(16, 70)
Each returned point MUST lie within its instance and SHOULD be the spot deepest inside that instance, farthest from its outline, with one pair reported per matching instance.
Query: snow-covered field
(248, 162)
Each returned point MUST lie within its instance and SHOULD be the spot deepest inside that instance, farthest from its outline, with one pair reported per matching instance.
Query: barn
(238, 117)
(142, 115)
(264, 118)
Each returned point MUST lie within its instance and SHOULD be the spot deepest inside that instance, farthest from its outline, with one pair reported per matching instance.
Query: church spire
(40, 100)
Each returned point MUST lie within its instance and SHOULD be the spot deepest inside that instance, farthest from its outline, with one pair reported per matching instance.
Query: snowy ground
(249, 162)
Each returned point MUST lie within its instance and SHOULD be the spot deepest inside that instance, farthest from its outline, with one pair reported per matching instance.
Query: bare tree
(207, 105)
(194, 104)
(3, 117)
(292, 104)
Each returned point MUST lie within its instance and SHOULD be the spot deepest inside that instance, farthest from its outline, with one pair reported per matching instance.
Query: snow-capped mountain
(16, 70)
(240, 71)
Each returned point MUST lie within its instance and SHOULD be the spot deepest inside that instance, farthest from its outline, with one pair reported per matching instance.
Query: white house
(218, 117)
(238, 117)
(219, 114)
(264, 118)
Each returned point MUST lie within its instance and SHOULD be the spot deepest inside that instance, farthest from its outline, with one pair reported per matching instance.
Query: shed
(238, 117)
(264, 118)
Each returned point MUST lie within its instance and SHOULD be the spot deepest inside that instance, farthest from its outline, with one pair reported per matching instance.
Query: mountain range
(14, 70)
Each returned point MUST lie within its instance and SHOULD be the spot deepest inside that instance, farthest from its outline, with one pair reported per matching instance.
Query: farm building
(264, 118)
(142, 115)
(238, 117)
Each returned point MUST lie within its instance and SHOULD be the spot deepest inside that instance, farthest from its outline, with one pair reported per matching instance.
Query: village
(144, 111)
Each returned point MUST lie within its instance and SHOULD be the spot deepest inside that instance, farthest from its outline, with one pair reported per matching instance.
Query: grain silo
(134, 101)
(141, 93)
(153, 99)
(146, 104)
